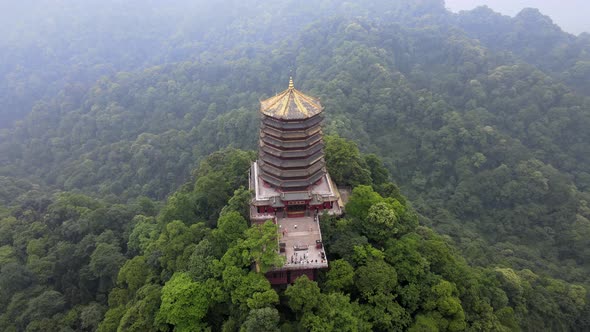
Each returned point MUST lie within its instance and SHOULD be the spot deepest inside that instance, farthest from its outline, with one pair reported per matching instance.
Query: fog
(128, 131)
(570, 15)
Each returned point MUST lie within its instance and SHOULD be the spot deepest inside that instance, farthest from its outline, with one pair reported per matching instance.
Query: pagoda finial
(291, 86)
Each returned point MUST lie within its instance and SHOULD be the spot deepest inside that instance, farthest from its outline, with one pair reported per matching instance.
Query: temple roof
(291, 104)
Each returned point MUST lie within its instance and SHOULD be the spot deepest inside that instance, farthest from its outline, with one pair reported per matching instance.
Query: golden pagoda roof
(291, 104)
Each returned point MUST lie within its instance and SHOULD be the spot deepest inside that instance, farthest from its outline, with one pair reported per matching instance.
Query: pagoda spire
(291, 85)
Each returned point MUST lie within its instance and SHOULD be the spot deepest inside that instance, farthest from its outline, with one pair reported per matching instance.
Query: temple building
(290, 183)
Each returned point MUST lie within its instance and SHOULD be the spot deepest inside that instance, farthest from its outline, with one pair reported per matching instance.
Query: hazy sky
(572, 16)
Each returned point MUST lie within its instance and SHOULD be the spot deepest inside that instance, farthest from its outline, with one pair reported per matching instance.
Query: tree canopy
(127, 128)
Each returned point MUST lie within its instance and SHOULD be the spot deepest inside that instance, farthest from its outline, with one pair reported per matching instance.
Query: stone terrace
(299, 236)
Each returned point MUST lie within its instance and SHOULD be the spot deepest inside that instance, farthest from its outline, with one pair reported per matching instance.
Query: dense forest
(127, 128)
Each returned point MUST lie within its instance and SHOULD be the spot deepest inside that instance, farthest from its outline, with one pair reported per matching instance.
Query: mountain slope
(485, 132)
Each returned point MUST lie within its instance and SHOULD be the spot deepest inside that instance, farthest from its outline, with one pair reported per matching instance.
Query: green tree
(13, 278)
(141, 313)
(184, 303)
(304, 295)
(263, 320)
(340, 276)
(239, 202)
(386, 314)
(174, 244)
(248, 290)
(445, 307)
(361, 200)
(45, 305)
(144, 232)
(344, 162)
(379, 174)
(105, 262)
(335, 312)
(259, 247)
(382, 223)
(91, 315)
(133, 274)
(231, 226)
(376, 277)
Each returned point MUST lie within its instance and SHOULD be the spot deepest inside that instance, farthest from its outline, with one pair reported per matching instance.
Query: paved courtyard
(299, 236)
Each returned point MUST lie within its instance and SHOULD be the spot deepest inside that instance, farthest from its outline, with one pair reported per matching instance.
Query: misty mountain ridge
(126, 131)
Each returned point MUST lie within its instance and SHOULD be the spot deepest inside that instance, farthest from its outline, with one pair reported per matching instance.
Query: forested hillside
(482, 120)
(72, 262)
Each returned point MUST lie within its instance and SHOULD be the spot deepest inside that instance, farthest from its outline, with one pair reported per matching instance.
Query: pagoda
(290, 184)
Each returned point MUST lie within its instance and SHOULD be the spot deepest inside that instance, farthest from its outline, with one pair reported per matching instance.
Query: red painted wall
(277, 277)
(298, 273)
